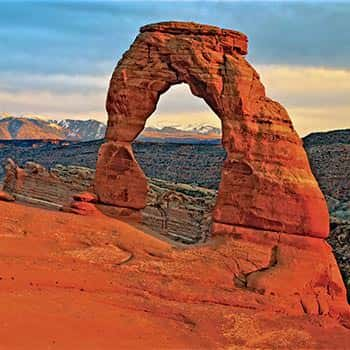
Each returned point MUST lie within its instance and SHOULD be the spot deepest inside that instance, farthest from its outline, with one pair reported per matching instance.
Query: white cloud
(72, 105)
(56, 83)
(311, 119)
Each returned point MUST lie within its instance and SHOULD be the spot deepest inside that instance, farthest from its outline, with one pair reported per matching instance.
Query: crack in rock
(241, 280)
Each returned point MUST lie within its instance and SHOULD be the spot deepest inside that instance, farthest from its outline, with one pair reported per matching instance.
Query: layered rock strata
(51, 188)
(178, 211)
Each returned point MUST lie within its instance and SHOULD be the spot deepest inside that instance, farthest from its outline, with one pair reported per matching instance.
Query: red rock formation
(84, 208)
(85, 197)
(266, 180)
(83, 204)
(257, 285)
(55, 187)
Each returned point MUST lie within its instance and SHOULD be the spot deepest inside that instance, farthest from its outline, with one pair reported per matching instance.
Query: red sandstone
(75, 282)
(85, 197)
(266, 181)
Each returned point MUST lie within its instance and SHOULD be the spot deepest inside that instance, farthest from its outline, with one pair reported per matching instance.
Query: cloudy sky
(56, 57)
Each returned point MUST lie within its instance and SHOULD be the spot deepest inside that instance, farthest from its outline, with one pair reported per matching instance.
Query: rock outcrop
(266, 181)
(178, 211)
(49, 188)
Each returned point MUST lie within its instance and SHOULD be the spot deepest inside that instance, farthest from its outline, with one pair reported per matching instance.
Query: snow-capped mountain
(193, 133)
(31, 126)
(39, 127)
(86, 130)
(205, 129)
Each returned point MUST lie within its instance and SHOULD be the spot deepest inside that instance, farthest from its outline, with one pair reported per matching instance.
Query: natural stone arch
(266, 180)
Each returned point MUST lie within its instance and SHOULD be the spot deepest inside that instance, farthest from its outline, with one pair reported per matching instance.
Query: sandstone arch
(266, 180)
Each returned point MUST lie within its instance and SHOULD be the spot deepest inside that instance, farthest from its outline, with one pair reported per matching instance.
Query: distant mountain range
(33, 127)
(36, 127)
(200, 133)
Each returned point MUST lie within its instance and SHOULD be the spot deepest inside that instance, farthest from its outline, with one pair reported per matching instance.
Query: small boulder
(84, 208)
(85, 197)
(6, 197)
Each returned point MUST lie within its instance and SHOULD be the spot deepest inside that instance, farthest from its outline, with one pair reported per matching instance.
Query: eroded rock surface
(266, 181)
(98, 283)
(178, 211)
(51, 187)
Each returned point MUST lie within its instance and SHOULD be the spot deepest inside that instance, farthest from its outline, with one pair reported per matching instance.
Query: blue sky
(56, 57)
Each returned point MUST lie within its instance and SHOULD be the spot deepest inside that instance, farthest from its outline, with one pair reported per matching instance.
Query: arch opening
(180, 152)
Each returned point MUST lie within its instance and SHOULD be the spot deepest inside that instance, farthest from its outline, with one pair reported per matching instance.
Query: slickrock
(35, 184)
(266, 181)
(52, 188)
(96, 282)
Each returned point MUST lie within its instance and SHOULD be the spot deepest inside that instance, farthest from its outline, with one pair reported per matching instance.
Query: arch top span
(266, 180)
(231, 39)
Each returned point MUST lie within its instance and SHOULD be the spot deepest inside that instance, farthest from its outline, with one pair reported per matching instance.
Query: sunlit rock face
(266, 180)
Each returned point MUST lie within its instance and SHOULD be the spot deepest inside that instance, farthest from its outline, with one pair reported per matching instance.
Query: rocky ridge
(180, 212)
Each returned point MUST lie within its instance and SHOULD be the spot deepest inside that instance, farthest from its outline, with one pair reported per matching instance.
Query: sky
(56, 57)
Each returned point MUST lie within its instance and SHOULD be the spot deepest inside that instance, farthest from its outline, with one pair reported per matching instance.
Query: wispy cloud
(312, 119)
(312, 85)
(72, 105)
(55, 83)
